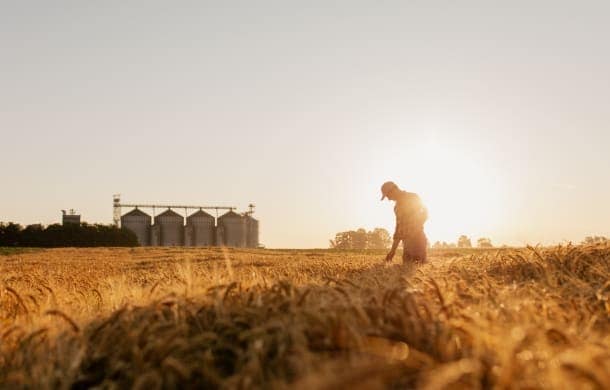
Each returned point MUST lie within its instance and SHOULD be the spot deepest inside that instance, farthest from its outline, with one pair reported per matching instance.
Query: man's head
(389, 190)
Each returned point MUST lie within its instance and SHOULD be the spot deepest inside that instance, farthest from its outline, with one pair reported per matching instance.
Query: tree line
(464, 242)
(380, 239)
(595, 240)
(483, 242)
(377, 238)
(69, 235)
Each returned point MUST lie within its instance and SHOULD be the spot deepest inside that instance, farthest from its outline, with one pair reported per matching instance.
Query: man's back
(410, 214)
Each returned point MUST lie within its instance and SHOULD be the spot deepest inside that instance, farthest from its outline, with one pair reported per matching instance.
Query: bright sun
(459, 190)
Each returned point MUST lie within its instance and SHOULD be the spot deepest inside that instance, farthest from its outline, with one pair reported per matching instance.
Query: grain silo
(201, 224)
(233, 230)
(138, 222)
(171, 228)
(251, 232)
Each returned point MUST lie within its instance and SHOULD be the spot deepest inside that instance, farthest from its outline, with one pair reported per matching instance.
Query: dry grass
(168, 318)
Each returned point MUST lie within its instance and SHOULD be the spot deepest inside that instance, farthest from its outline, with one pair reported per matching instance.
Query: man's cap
(386, 188)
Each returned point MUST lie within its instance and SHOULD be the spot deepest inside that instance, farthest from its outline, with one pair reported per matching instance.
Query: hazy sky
(498, 115)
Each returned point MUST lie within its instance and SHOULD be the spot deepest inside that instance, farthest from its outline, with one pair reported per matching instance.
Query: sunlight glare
(458, 188)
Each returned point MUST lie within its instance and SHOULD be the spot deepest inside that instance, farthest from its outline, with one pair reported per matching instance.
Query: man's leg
(414, 249)
(407, 255)
(422, 248)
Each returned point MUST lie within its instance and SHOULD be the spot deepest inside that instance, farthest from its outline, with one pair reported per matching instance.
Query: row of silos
(201, 229)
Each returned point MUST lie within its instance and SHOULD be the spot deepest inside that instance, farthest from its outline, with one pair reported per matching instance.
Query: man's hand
(389, 256)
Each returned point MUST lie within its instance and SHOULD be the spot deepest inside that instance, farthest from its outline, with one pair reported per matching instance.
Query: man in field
(411, 215)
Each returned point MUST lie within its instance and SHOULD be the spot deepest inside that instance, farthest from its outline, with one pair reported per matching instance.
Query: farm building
(201, 229)
(68, 218)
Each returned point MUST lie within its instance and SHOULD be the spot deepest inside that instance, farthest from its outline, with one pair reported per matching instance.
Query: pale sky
(497, 115)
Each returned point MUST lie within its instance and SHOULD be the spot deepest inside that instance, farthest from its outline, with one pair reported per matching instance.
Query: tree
(10, 234)
(361, 239)
(443, 245)
(437, 245)
(32, 236)
(595, 240)
(343, 240)
(57, 235)
(464, 242)
(484, 242)
(379, 238)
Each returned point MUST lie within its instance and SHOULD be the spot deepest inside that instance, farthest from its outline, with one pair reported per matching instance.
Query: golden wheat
(218, 318)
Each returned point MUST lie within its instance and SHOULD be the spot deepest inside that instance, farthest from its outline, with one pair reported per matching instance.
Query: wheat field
(152, 318)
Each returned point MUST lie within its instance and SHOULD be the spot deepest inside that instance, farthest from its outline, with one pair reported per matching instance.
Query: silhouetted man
(411, 215)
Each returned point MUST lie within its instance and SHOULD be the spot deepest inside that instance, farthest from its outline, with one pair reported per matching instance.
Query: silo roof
(230, 214)
(169, 213)
(200, 213)
(136, 213)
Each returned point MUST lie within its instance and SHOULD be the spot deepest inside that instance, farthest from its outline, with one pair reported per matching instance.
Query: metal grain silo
(138, 222)
(233, 230)
(171, 226)
(251, 232)
(202, 226)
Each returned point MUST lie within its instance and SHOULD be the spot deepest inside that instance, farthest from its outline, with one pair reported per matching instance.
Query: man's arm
(395, 244)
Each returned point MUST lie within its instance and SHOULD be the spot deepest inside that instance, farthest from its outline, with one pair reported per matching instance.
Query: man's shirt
(410, 215)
